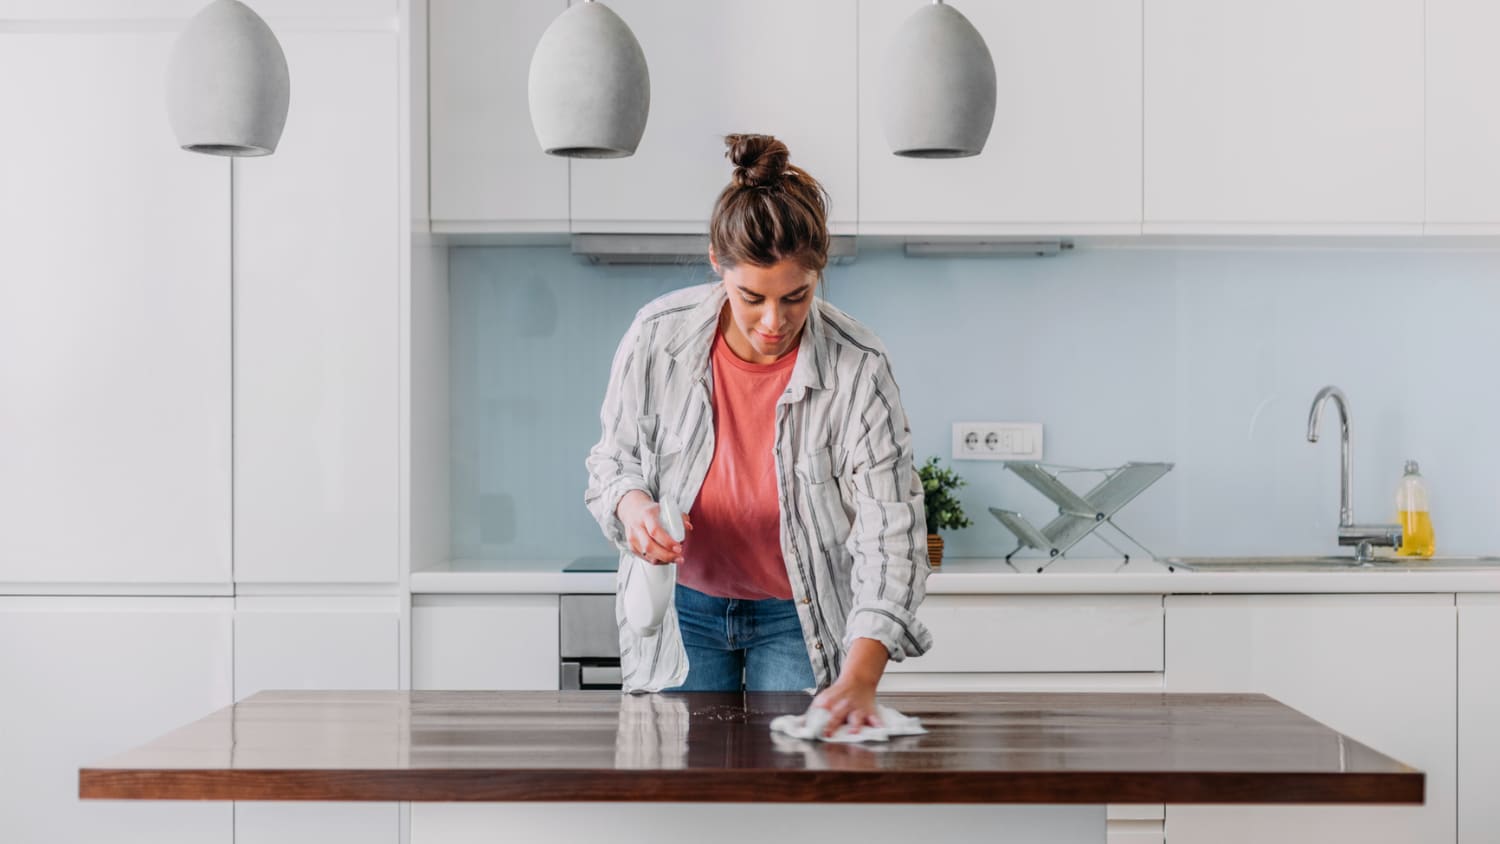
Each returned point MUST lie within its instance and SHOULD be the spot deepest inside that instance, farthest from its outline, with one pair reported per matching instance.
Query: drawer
(586, 627)
(1041, 633)
(469, 642)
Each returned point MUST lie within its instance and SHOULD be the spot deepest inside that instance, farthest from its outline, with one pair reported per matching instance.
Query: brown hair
(771, 210)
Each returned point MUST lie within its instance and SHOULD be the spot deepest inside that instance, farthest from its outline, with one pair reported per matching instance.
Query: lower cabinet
(88, 677)
(478, 642)
(1126, 824)
(1400, 673)
(316, 642)
(1478, 718)
(1048, 633)
(1044, 643)
(1379, 668)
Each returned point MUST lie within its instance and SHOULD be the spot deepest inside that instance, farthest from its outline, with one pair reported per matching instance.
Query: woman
(772, 420)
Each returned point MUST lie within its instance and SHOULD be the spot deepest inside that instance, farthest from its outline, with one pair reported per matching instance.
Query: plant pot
(934, 550)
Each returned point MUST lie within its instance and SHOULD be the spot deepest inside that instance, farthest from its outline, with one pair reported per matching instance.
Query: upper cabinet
(780, 67)
(1463, 117)
(1285, 116)
(317, 289)
(487, 172)
(1064, 155)
(1197, 117)
(114, 321)
(776, 67)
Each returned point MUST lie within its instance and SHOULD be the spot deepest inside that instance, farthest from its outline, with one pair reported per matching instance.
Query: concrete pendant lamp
(939, 87)
(589, 88)
(227, 84)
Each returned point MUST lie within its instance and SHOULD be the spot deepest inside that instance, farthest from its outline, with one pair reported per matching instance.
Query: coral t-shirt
(734, 549)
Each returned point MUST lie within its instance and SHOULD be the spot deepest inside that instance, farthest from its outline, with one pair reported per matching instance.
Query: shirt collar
(690, 344)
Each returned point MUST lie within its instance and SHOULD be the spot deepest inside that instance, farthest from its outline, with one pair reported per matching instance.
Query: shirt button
(807, 600)
(819, 646)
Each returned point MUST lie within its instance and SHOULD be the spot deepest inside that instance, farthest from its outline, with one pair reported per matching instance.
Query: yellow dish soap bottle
(1412, 513)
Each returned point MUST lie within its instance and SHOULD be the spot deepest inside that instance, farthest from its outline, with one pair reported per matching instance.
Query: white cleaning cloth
(810, 725)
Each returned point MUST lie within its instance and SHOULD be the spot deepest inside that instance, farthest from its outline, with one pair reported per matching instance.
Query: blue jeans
(735, 644)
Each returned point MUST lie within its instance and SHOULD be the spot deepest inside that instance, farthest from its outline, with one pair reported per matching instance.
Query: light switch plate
(997, 441)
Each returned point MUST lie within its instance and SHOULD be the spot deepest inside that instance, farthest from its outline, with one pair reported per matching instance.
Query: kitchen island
(681, 766)
(1416, 637)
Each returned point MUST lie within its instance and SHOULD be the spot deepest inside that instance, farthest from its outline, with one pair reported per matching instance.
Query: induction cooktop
(587, 564)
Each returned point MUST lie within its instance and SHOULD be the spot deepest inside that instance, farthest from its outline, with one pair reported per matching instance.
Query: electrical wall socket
(997, 441)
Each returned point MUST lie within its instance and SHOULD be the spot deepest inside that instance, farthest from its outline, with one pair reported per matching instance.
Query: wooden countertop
(587, 746)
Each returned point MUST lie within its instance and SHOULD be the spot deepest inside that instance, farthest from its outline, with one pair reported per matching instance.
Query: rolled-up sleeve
(888, 537)
(614, 463)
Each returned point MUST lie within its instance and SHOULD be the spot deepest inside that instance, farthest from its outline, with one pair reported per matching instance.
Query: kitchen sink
(1327, 564)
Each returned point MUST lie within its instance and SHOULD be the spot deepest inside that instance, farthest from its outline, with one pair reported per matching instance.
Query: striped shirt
(853, 527)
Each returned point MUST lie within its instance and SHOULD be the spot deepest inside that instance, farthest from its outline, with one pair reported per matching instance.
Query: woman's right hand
(644, 533)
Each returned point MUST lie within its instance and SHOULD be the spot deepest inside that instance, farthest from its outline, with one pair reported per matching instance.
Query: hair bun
(759, 160)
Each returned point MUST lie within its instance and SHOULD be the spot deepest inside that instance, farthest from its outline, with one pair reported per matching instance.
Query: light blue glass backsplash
(1205, 358)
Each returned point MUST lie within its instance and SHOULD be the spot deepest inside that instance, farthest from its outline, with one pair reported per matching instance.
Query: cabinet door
(488, 172)
(777, 67)
(1379, 668)
(114, 321)
(315, 643)
(1078, 633)
(87, 678)
(1284, 116)
(1463, 118)
(1478, 717)
(414, 20)
(478, 642)
(316, 293)
(1064, 155)
(1126, 823)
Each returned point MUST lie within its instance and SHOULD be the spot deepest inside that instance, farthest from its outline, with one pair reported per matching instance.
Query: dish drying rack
(1078, 515)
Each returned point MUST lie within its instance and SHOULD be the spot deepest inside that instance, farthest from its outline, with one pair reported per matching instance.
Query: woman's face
(767, 308)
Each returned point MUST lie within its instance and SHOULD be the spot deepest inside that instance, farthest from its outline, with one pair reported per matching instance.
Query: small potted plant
(943, 510)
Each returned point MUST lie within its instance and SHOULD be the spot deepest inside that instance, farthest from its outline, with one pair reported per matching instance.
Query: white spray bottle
(648, 586)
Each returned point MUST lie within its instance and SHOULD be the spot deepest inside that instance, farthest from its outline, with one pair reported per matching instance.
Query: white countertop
(995, 576)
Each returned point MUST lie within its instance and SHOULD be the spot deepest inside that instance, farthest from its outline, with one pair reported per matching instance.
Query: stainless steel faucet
(1364, 538)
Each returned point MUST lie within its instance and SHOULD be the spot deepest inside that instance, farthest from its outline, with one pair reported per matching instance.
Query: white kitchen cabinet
(316, 334)
(87, 678)
(1478, 718)
(170, 13)
(1044, 643)
(1284, 116)
(1064, 155)
(114, 322)
(1046, 633)
(779, 67)
(315, 642)
(416, 87)
(1379, 668)
(479, 642)
(1463, 118)
(488, 173)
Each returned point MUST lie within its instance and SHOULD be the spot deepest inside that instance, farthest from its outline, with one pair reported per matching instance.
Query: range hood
(680, 249)
(981, 247)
